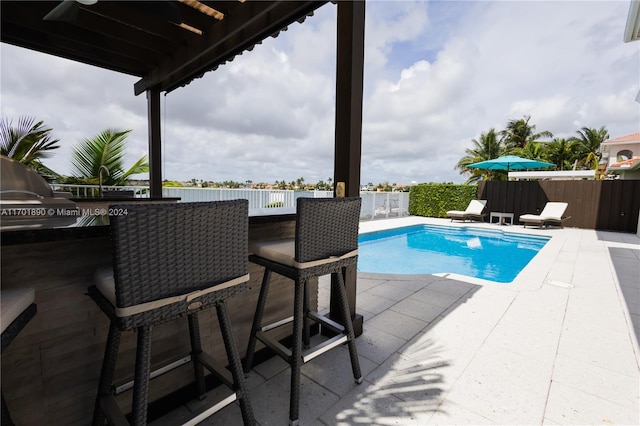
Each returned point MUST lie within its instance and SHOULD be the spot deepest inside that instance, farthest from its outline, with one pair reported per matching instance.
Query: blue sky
(437, 74)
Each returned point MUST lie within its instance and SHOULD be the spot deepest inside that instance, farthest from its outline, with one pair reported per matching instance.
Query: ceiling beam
(247, 25)
(139, 16)
(99, 23)
(191, 53)
(74, 49)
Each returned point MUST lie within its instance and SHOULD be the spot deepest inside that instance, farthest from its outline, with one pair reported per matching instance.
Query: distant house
(621, 157)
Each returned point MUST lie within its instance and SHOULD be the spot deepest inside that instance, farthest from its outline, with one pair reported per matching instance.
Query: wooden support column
(155, 142)
(348, 142)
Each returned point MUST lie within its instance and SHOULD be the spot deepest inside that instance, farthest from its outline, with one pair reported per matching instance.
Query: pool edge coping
(532, 277)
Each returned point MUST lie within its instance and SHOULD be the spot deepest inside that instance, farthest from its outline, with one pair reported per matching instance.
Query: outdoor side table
(501, 217)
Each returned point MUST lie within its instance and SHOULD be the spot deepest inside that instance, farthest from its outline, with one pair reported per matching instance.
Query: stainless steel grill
(27, 199)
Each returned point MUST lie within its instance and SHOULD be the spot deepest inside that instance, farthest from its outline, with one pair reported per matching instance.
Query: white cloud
(436, 76)
(562, 63)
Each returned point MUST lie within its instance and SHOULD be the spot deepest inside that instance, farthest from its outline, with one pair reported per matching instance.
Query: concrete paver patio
(559, 345)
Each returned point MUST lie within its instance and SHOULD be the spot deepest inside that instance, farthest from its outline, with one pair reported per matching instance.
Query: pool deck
(559, 345)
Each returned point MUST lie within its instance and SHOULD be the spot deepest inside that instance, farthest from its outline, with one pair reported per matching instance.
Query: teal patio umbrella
(509, 163)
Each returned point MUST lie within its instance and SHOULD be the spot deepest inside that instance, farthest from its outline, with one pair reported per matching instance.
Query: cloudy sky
(437, 74)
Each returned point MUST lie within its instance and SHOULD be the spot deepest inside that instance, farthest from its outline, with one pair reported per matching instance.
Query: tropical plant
(29, 142)
(588, 144)
(532, 150)
(561, 152)
(105, 150)
(487, 147)
(171, 184)
(519, 133)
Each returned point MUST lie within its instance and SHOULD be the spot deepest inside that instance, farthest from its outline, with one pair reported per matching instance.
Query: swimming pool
(429, 249)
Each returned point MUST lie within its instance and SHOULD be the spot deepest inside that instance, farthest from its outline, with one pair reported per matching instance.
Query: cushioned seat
(551, 214)
(326, 242)
(474, 211)
(169, 261)
(17, 307)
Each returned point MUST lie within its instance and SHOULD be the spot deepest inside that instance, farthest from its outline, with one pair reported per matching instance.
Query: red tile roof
(627, 163)
(633, 137)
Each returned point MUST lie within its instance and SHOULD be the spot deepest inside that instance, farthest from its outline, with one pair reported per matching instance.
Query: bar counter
(50, 371)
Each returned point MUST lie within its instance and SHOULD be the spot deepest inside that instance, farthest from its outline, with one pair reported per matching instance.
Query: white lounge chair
(392, 210)
(551, 214)
(474, 211)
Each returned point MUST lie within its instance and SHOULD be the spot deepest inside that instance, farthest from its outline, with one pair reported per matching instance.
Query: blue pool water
(427, 249)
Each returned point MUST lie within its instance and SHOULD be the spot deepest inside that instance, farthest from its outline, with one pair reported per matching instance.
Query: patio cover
(168, 43)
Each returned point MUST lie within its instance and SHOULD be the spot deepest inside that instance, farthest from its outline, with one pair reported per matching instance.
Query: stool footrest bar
(112, 411)
(277, 324)
(217, 368)
(326, 322)
(323, 347)
(155, 373)
(227, 398)
(274, 345)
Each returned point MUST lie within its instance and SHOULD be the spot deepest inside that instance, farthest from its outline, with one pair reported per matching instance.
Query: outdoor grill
(27, 199)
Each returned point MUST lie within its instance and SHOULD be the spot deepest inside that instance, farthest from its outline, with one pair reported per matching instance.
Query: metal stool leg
(296, 353)
(196, 349)
(257, 321)
(235, 364)
(141, 376)
(348, 327)
(306, 334)
(107, 372)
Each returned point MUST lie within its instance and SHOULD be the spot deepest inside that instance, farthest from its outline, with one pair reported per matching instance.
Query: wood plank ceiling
(165, 43)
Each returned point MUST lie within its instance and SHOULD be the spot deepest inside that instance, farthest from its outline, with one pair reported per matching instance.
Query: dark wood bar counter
(50, 371)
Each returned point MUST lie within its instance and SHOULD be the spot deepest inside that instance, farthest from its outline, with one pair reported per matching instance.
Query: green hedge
(435, 199)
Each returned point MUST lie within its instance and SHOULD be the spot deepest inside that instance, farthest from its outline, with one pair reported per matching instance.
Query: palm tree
(561, 152)
(532, 150)
(106, 149)
(487, 147)
(588, 146)
(519, 133)
(29, 142)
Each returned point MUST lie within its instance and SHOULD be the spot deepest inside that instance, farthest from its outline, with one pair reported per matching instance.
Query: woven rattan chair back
(164, 250)
(173, 254)
(326, 227)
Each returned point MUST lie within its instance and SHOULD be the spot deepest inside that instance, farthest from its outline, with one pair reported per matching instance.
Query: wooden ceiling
(165, 43)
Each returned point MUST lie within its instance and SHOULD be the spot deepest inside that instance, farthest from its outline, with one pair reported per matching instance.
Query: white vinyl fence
(375, 205)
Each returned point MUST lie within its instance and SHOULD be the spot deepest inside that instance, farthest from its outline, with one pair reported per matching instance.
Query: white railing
(258, 198)
(93, 191)
(375, 205)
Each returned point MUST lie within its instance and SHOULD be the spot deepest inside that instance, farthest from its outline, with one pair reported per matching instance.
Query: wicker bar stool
(326, 242)
(172, 260)
(17, 307)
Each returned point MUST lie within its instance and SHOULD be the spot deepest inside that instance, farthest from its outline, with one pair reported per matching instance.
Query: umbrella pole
(506, 195)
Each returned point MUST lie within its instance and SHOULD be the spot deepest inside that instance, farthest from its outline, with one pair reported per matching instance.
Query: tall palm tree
(106, 149)
(519, 133)
(532, 150)
(561, 152)
(29, 142)
(588, 144)
(487, 147)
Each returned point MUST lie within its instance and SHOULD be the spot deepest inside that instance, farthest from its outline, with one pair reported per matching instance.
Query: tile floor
(559, 345)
